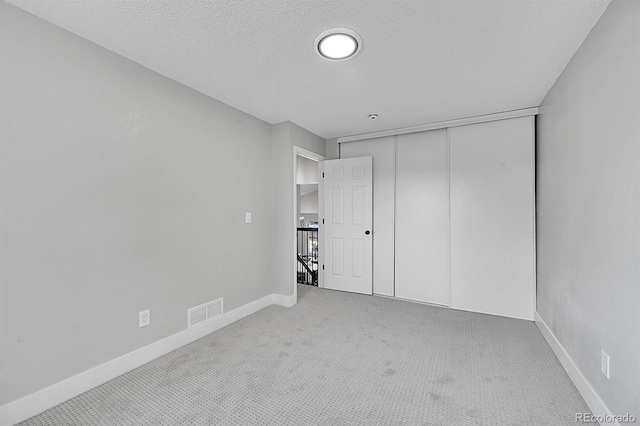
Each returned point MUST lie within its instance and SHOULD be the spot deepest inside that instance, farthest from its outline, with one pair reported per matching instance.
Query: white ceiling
(422, 61)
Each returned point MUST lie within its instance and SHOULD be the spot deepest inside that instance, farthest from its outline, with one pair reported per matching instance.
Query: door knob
(367, 232)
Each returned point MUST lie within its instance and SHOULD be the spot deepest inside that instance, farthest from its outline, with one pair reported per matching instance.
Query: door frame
(297, 151)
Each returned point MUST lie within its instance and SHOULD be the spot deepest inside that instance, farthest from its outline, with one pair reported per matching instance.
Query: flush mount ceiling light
(373, 116)
(338, 44)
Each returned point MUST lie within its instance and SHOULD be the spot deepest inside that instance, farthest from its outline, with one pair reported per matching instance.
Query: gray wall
(309, 203)
(588, 190)
(285, 136)
(332, 149)
(121, 191)
(307, 172)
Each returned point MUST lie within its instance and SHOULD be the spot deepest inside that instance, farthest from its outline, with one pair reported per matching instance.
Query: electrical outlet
(604, 363)
(247, 217)
(144, 318)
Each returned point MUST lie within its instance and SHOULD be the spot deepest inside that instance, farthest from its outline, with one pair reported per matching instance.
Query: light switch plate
(247, 217)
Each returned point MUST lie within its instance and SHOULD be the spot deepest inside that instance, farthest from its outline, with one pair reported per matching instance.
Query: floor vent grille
(202, 313)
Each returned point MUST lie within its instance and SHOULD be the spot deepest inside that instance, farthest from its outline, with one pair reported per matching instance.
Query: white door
(383, 153)
(347, 220)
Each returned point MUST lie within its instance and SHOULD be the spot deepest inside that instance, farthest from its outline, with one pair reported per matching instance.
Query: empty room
(292, 212)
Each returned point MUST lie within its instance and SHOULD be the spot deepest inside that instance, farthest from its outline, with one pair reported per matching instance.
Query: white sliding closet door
(492, 217)
(383, 152)
(422, 217)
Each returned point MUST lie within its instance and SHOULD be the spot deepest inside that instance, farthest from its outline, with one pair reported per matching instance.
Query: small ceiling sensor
(338, 44)
(373, 116)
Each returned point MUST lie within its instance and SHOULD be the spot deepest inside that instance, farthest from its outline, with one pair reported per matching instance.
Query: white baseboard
(286, 301)
(589, 394)
(30, 405)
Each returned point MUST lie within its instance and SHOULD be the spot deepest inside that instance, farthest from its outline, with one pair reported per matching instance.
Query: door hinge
(323, 267)
(323, 221)
(323, 174)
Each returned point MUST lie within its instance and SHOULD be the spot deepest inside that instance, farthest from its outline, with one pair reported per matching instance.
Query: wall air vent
(202, 313)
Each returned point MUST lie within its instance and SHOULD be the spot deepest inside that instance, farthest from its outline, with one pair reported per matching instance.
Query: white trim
(286, 301)
(590, 396)
(30, 405)
(394, 213)
(297, 151)
(449, 206)
(307, 154)
(535, 237)
(442, 124)
(320, 224)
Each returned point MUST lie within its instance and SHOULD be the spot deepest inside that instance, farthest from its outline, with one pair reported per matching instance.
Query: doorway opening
(307, 230)
(307, 249)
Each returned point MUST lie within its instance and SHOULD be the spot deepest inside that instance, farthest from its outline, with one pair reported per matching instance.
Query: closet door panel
(422, 217)
(383, 152)
(492, 218)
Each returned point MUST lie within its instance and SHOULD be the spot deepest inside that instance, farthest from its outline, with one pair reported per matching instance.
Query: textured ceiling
(422, 61)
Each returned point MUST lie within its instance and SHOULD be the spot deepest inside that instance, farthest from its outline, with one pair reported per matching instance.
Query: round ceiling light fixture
(338, 44)
(373, 116)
